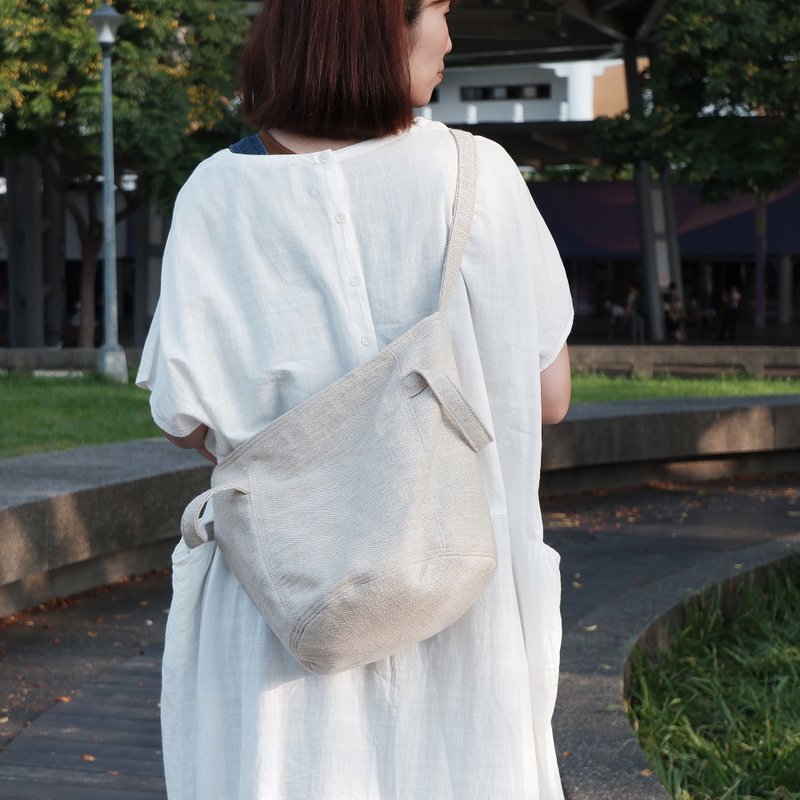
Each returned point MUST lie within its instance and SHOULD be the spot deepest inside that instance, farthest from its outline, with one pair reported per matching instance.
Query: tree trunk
(91, 248)
(760, 302)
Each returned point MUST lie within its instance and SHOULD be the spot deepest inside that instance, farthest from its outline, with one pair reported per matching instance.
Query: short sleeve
(172, 354)
(512, 267)
(173, 401)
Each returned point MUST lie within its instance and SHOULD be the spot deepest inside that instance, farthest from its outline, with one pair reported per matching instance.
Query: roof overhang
(535, 31)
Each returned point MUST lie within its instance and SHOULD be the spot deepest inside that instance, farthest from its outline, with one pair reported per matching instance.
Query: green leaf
(725, 90)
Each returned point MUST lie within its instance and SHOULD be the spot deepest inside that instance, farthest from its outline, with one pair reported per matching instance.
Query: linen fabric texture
(346, 575)
(281, 274)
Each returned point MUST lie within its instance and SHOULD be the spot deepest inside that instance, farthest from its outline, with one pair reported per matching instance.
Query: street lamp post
(111, 361)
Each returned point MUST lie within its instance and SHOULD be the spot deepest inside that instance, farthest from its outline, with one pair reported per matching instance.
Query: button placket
(360, 321)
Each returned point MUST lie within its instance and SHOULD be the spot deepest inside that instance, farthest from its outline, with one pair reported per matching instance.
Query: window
(531, 91)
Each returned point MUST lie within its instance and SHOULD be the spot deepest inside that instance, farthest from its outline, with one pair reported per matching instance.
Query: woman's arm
(556, 389)
(196, 440)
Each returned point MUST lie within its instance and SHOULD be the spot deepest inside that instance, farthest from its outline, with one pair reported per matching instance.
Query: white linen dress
(281, 274)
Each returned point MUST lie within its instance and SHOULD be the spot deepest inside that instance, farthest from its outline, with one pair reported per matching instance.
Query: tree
(173, 68)
(722, 104)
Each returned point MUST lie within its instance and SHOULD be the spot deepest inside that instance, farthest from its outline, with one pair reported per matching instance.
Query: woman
(282, 273)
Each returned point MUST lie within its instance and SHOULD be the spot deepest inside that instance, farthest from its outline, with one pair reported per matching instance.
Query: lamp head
(106, 21)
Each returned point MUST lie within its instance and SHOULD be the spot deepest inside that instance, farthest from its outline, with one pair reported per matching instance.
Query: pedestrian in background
(731, 300)
(634, 312)
(674, 315)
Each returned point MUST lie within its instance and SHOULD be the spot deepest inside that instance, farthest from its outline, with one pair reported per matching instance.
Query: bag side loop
(194, 534)
(456, 408)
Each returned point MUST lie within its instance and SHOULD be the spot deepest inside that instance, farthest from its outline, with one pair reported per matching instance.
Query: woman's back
(320, 260)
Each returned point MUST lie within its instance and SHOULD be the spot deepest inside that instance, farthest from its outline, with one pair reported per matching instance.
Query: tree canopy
(722, 98)
(173, 72)
(173, 68)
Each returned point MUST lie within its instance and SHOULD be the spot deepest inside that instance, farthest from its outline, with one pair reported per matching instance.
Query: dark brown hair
(331, 68)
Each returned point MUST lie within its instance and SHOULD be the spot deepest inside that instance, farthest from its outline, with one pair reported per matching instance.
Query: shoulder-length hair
(331, 68)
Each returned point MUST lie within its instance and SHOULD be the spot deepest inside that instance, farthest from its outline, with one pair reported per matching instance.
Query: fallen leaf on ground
(63, 698)
(590, 628)
(89, 757)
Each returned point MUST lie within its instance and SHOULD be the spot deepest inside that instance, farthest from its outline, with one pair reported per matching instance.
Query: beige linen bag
(357, 522)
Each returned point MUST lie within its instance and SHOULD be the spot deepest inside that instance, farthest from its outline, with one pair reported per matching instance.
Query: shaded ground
(613, 541)
(48, 652)
(609, 542)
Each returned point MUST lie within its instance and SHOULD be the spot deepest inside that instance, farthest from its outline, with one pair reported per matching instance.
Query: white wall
(451, 109)
(572, 93)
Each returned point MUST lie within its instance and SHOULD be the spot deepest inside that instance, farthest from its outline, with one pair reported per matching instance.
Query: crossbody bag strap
(462, 213)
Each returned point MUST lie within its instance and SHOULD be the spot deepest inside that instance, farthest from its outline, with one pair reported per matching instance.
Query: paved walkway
(618, 550)
(103, 745)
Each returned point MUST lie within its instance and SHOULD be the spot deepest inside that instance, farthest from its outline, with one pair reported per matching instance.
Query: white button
(366, 341)
(341, 218)
(324, 157)
(355, 280)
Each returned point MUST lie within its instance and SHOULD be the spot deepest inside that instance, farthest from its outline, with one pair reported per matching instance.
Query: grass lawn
(42, 414)
(589, 387)
(719, 713)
